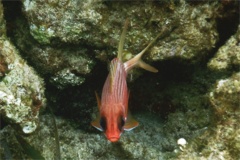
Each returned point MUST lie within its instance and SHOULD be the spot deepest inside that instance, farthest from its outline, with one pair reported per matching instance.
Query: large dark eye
(121, 123)
(103, 123)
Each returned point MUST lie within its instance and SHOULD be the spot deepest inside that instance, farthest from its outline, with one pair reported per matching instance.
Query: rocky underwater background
(55, 53)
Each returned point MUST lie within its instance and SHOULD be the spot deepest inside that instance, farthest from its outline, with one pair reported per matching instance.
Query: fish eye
(103, 123)
(121, 123)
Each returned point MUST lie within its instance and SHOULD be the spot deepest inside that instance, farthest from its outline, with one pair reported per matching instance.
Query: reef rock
(228, 55)
(222, 141)
(67, 37)
(225, 98)
(21, 89)
(2, 22)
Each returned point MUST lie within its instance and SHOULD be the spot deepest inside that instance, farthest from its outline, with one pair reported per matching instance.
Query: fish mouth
(113, 139)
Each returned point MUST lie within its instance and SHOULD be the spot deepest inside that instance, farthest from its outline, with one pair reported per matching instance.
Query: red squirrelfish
(113, 116)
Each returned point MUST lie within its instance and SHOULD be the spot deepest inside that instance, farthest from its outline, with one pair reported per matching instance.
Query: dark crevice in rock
(12, 10)
(2, 123)
(75, 102)
(227, 22)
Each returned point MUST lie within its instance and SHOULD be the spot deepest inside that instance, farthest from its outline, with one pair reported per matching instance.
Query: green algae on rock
(70, 20)
(64, 65)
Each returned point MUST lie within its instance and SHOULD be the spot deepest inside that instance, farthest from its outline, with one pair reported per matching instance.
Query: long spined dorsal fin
(98, 100)
(112, 73)
(122, 38)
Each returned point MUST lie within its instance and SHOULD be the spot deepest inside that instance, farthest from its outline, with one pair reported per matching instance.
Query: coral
(228, 55)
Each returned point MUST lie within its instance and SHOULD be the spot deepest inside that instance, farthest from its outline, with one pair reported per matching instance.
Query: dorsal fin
(121, 42)
(98, 100)
(112, 73)
(137, 61)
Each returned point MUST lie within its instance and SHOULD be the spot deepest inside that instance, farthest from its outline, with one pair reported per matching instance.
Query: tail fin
(137, 61)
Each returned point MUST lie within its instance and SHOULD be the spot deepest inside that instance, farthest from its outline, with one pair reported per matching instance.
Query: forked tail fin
(137, 61)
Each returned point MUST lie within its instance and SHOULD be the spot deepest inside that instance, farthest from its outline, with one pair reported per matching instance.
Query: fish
(114, 117)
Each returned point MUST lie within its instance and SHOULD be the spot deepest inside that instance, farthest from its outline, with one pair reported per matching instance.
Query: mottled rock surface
(21, 89)
(145, 141)
(226, 96)
(69, 43)
(99, 23)
(228, 56)
(64, 66)
(69, 36)
(223, 141)
(2, 22)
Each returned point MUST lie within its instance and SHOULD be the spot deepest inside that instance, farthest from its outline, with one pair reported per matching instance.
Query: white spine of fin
(121, 42)
(137, 61)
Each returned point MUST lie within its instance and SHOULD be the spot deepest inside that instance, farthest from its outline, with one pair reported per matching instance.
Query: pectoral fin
(96, 123)
(131, 123)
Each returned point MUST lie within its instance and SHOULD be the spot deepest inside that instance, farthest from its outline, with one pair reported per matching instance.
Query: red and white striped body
(113, 116)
